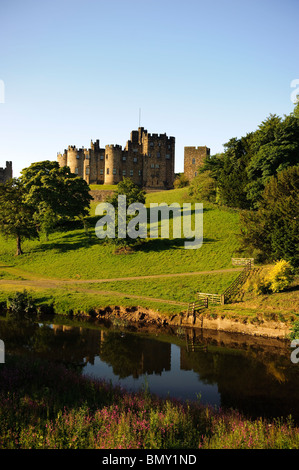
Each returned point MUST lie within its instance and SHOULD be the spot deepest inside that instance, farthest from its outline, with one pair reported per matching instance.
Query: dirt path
(35, 281)
(32, 277)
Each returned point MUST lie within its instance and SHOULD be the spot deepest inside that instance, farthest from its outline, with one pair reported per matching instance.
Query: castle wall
(6, 173)
(148, 159)
(159, 151)
(194, 158)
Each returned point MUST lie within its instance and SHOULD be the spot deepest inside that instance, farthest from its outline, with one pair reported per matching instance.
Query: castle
(6, 173)
(194, 158)
(147, 159)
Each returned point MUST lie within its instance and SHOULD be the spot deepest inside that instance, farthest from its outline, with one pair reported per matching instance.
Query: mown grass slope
(77, 254)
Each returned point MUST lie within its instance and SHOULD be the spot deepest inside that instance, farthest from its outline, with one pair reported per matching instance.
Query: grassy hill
(76, 255)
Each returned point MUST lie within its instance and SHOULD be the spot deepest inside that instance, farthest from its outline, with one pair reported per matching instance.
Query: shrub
(20, 305)
(280, 276)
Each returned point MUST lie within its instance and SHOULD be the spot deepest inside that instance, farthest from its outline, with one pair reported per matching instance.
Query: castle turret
(194, 158)
(113, 157)
(75, 160)
(62, 158)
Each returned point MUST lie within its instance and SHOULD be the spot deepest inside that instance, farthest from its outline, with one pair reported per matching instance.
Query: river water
(254, 375)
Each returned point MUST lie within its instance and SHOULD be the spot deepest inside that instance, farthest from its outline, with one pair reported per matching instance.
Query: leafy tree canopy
(53, 187)
(272, 230)
(16, 216)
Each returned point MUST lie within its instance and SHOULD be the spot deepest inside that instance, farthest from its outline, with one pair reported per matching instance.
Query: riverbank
(210, 320)
(252, 317)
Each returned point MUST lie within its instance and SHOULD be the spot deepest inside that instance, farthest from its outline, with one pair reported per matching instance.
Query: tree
(55, 193)
(133, 194)
(275, 147)
(203, 187)
(272, 230)
(16, 216)
(181, 181)
(242, 171)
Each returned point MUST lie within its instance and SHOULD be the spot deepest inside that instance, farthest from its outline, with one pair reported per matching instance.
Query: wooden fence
(211, 298)
(235, 285)
(203, 298)
(242, 261)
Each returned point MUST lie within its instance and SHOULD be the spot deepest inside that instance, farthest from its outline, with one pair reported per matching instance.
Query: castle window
(195, 174)
(151, 144)
(87, 170)
(101, 171)
(149, 155)
(139, 172)
(124, 159)
(76, 171)
(152, 165)
(102, 157)
(193, 161)
(107, 171)
(78, 156)
(87, 157)
(158, 154)
(135, 160)
(135, 150)
(124, 172)
(131, 172)
(167, 156)
(114, 171)
(157, 166)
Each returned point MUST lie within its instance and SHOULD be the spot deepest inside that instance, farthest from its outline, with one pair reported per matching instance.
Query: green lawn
(76, 254)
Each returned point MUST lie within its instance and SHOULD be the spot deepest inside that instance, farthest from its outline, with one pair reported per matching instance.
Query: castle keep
(194, 158)
(147, 159)
(6, 173)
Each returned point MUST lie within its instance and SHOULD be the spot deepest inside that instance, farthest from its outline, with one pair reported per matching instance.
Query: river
(252, 374)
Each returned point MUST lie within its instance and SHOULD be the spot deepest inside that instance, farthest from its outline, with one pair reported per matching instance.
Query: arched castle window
(193, 161)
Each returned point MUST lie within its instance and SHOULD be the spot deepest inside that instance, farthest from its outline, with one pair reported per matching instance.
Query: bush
(181, 181)
(20, 305)
(280, 276)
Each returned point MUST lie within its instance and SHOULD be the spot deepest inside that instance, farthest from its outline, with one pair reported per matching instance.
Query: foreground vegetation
(47, 406)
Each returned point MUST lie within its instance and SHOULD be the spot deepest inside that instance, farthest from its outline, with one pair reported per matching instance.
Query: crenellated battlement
(6, 173)
(114, 147)
(109, 165)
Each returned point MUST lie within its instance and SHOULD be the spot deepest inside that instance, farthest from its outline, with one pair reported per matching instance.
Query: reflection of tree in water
(129, 355)
(254, 382)
(53, 342)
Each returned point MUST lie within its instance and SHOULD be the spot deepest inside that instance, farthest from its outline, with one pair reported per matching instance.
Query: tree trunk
(19, 249)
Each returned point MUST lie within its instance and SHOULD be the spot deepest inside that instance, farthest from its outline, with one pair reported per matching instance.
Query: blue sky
(201, 71)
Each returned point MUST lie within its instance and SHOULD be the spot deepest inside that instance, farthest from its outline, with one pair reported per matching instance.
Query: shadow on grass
(161, 244)
(69, 242)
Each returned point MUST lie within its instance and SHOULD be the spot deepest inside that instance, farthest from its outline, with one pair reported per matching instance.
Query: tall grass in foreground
(48, 406)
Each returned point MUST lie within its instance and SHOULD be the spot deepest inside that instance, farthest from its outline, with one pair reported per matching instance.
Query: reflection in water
(254, 375)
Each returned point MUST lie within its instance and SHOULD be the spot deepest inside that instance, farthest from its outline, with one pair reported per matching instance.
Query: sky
(72, 71)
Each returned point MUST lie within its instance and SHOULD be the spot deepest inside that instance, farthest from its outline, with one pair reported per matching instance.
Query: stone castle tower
(148, 159)
(194, 158)
(6, 173)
